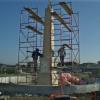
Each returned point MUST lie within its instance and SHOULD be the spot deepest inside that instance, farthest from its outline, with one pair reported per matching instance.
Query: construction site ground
(80, 97)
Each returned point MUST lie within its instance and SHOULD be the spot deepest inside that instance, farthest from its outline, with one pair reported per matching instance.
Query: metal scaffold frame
(60, 27)
(66, 32)
(30, 38)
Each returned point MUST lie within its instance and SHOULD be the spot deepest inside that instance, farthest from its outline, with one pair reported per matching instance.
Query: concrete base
(43, 79)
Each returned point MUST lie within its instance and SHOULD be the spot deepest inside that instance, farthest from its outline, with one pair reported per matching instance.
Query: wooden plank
(66, 7)
(34, 15)
(61, 20)
(33, 29)
(67, 46)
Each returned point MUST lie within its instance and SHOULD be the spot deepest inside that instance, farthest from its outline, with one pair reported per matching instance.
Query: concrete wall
(28, 98)
(16, 79)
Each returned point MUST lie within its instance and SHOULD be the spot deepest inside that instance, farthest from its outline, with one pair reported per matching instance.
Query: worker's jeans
(35, 65)
(62, 60)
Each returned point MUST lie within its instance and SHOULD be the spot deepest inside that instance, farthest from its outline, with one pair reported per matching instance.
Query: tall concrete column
(47, 56)
(47, 40)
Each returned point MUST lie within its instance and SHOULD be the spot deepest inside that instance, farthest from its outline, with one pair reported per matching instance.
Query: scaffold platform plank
(34, 15)
(33, 29)
(66, 7)
(59, 18)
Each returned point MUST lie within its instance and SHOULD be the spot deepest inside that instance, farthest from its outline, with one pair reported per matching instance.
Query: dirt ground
(80, 97)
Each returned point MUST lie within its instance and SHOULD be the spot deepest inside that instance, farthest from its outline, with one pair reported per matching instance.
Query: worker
(35, 56)
(62, 54)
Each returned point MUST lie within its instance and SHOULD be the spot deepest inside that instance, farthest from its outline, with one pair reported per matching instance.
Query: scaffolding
(30, 38)
(67, 31)
(64, 31)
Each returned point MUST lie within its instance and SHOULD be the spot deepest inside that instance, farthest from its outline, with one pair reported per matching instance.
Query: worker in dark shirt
(35, 56)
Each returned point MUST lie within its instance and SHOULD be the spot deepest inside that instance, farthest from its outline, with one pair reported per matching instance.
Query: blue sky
(89, 28)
